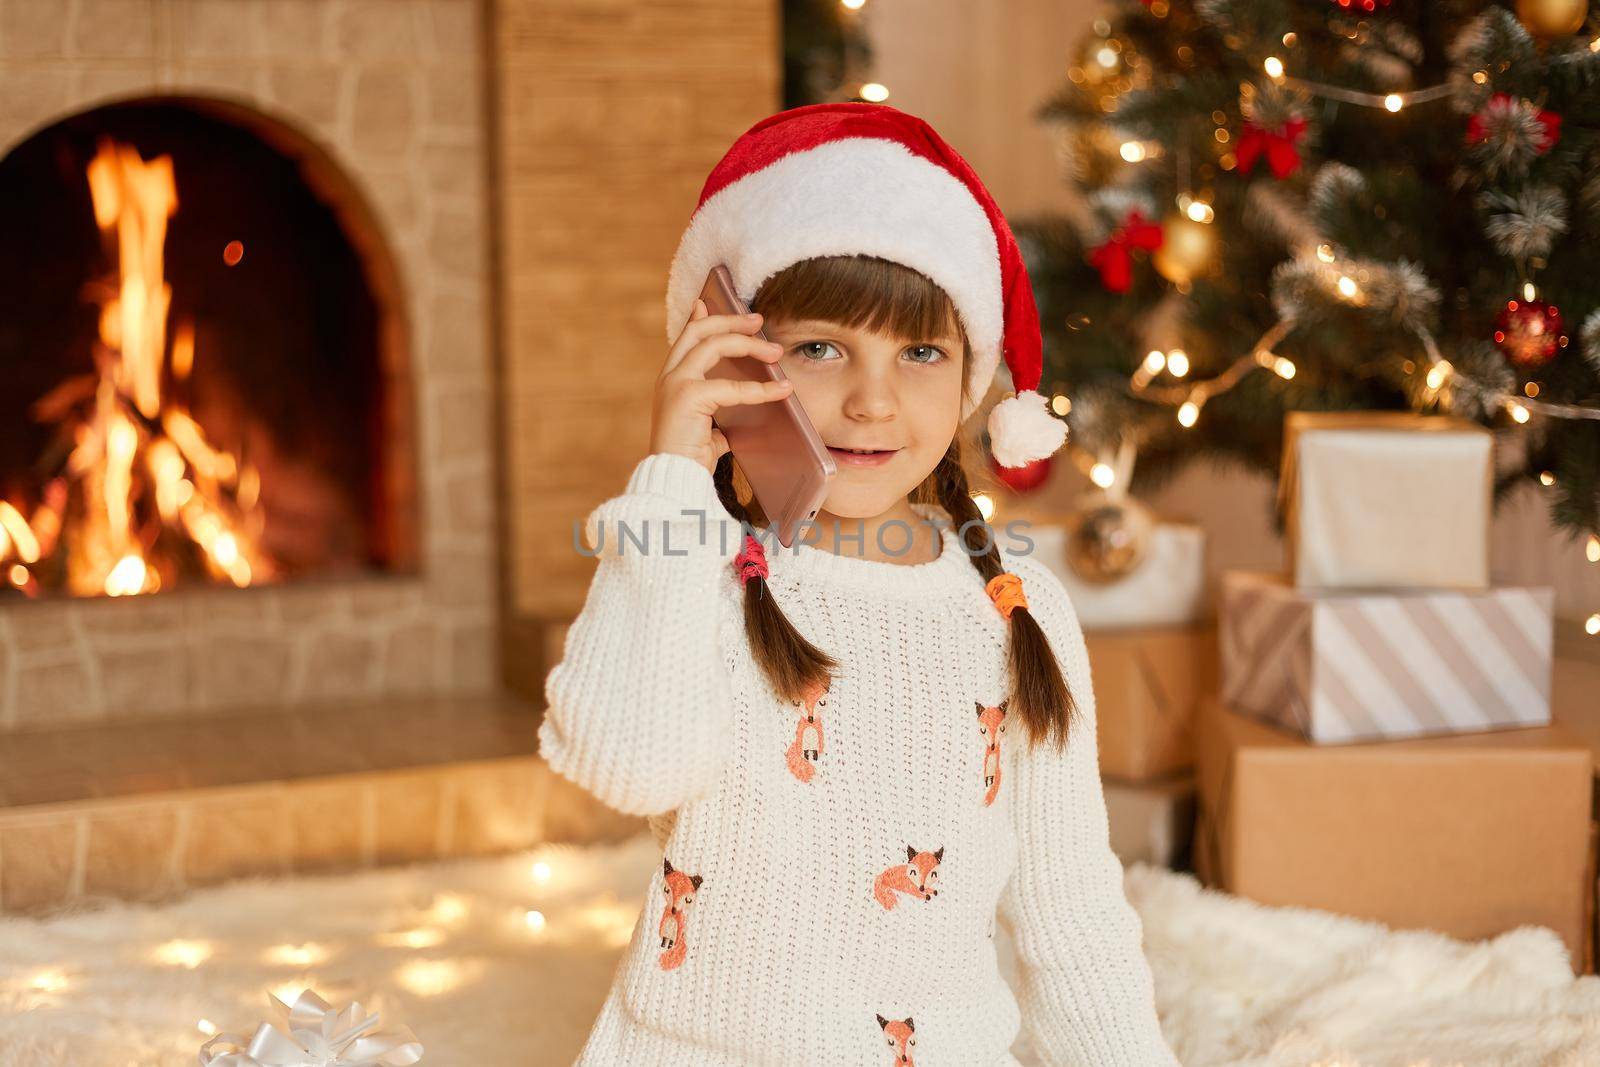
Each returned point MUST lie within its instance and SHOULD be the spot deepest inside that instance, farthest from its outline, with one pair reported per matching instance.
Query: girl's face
(899, 398)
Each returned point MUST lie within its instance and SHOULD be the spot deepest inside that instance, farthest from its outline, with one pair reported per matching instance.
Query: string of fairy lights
(1188, 397)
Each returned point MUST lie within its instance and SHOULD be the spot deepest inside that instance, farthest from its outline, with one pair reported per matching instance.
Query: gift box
(1167, 588)
(1147, 682)
(1386, 499)
(1575, 706)
(1470, 835)
(1350, 666)
(1153, 822)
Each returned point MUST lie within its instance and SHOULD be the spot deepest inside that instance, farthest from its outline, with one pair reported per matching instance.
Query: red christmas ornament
(1361, 5)
(1501, 119)
(1529, 332)
(1280, 145)
(1023, 479)
(1114, 259)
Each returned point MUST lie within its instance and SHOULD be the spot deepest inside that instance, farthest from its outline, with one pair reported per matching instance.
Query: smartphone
(782, 457)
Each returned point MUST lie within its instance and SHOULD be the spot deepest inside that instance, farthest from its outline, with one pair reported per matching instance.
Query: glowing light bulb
(1102, 475)
(1178, 362)
(535, 919)
(1347, 287)
(1188, 413)
(1154, 360)
(1394, 102)
(1518, 412)
(874, 92)
(541, 871)
(1284, 368)
(1200, 211)
(1528, 291)
(1438, 373)
(48, 982)
(853, 5)
(189, 954)
(1592, 624)
(1132, 151)
(1547, 478)
(1325, 253)
(1592, 549)
(1273, 66)
(1061, 403)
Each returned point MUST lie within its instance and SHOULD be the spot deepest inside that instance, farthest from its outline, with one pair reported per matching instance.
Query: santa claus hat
(870, 179)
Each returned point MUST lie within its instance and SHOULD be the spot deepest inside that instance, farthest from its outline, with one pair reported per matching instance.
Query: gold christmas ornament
(1108, 539)
(1188, 249)
(1552, 18)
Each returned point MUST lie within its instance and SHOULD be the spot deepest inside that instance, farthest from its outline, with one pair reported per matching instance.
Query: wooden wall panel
(608, 114)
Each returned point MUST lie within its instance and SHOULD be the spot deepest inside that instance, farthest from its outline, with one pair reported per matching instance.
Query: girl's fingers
(698, 361)
(698, 329)
(719, 443)
(709, 394)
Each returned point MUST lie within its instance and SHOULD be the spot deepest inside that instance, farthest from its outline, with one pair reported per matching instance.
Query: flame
(141, 473)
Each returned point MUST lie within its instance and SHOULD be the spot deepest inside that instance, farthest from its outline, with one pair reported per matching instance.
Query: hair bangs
(864, 293)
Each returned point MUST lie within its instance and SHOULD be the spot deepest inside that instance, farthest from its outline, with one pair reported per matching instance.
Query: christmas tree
(1372, 204)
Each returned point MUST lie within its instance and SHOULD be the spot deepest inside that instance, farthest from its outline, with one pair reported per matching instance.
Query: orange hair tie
(1005, 590)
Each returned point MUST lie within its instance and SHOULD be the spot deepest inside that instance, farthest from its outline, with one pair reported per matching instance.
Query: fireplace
(245, 353)
(205, 356)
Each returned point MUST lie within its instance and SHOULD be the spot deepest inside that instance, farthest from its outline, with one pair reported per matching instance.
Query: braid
(791, 664)
(1040, 694)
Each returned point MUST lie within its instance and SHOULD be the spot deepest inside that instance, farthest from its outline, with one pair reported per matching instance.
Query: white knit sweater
(831, 874)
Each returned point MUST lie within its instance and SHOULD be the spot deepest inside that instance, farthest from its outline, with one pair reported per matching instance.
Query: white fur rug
(448, 950)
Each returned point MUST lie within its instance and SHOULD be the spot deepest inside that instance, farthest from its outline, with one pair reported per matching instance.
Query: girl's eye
(803, 347)
(930, 354)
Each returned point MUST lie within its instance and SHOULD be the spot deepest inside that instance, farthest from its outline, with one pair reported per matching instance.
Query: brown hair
(865, 292)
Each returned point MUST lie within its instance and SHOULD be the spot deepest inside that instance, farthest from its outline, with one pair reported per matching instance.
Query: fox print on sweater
(833, 867)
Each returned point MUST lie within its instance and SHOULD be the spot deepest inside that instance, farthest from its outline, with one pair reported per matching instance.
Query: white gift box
(1386, 499)
(1352, 666)
(1152, 822)
(1167, 587)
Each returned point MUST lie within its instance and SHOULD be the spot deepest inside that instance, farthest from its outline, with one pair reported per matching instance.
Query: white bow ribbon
(318, 1036)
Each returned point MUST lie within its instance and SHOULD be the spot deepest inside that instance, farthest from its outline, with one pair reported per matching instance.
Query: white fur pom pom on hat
(1022, 430)
(869, 179)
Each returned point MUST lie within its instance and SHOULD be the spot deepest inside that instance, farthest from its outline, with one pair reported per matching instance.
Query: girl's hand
(685, 399)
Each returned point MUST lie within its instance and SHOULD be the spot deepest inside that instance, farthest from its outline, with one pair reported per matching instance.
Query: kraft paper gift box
(1167, 588)
(1471, 835)
(1349, 666)
(1575, 706)
(1381, 499)
(1147, 682)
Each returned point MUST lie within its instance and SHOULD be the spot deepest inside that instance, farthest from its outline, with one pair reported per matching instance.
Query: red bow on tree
(1114, 259)
(1499, 118)
(1279, 145)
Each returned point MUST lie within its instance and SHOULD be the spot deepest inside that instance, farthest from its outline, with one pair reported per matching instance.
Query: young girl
(855, 751)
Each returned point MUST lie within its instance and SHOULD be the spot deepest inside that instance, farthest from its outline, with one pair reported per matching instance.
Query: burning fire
(139, 491)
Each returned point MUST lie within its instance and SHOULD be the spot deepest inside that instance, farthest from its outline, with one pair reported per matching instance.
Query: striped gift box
(1338, 666)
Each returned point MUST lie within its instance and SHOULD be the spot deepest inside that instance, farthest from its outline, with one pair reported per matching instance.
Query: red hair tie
(1005, 589)
(751, 562)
